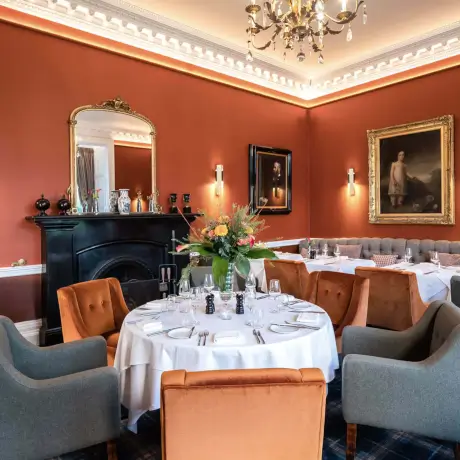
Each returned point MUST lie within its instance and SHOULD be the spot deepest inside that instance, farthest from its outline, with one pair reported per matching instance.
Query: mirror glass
(112, 151)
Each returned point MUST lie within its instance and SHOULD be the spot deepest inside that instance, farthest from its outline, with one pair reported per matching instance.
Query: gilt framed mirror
(112, 148)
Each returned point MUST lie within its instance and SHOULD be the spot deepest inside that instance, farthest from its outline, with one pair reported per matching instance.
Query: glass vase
(95, 205)
(229, 277)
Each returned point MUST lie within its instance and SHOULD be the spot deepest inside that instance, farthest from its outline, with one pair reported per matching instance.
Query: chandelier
(299, 25)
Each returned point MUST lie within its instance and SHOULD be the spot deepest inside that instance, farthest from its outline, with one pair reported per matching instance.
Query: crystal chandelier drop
(299, 25)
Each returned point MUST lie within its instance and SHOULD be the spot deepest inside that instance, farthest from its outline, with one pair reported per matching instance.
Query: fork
(200, 334)
(257, 336)
(206, 333)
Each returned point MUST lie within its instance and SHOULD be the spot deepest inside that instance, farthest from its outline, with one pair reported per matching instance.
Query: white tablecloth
(332, 264)
(141, 360)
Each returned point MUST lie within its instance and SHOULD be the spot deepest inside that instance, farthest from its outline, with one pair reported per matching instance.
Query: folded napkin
(309, 318)
(152, 326)
(228, 337)
(153, 306)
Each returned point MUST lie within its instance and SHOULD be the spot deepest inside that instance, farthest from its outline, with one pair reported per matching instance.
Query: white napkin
(227, 337)
(152, 326)
(154, 306)
(310, 318)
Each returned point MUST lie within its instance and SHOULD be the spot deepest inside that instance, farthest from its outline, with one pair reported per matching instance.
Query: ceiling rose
(299, 25)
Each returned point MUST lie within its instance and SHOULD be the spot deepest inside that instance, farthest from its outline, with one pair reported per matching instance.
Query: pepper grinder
(187, 209)
(210, 308)
(239, 304)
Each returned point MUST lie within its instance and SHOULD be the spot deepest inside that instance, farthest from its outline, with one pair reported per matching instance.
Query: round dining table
(141, 358)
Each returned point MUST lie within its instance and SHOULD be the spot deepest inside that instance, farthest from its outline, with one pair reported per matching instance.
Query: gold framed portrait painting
(411, 173)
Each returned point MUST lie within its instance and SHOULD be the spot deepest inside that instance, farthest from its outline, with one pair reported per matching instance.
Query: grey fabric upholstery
(455, 290)
(420, 248)
(406, 380)
(54, 400)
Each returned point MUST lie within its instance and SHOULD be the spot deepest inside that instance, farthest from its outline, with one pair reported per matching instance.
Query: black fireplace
(86, 247)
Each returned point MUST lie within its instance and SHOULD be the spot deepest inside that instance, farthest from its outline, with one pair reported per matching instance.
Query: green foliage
(261, 253)
(219, 270)
(242, 265)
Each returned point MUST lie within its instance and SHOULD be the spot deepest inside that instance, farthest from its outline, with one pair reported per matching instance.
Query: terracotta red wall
(338, 141)
(199, 124)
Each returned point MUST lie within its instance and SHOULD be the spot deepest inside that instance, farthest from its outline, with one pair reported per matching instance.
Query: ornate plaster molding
(122, 22)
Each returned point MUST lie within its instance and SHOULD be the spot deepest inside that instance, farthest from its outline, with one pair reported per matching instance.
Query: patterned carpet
(372, 443)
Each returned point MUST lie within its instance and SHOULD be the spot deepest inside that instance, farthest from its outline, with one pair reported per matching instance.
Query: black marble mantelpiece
(79, 248)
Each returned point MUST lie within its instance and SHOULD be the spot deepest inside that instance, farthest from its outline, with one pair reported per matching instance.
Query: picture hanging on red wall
(270, 180)
(411, 173)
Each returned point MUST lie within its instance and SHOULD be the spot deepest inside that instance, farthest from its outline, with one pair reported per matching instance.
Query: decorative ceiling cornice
(124, 23)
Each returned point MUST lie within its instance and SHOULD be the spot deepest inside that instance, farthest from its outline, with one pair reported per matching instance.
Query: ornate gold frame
(112, 105)
(447, 216)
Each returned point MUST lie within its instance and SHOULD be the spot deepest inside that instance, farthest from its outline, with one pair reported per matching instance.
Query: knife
(191, 332)
(305, 326)
(263, 297)
(307, 311)
(260, 337)
(257, 337)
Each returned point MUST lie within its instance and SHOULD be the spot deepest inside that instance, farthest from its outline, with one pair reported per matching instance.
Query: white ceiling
(390, 23)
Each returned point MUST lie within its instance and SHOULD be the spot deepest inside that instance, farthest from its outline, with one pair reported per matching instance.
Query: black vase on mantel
(172, 199)
(42, 205)
(187, 209)
(63, 205)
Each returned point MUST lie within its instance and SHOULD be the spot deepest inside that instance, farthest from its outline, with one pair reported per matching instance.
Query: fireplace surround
(130, 248)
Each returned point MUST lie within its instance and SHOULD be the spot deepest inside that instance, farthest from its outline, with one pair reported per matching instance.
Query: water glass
(258, 318)
(226, 296)
(208, 284)
(408, 256)
(184, 307)
(172, 304)
(251, 280)
(275, 289)
(184, 288)
(325, 249)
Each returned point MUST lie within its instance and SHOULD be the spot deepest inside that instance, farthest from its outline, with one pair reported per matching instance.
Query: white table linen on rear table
(141, 360)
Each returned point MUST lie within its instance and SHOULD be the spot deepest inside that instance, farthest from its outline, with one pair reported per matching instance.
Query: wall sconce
(219, 179)
(351, 182)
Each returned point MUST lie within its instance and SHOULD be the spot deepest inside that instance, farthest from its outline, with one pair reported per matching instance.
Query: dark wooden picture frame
(270, 180)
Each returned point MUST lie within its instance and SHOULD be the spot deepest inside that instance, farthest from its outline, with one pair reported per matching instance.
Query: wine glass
(408, 256)
(208, 284)
(282, 302)
(258, 318)
(325, 249)
(184, 289)
(275, 289)
(250, 280)
(226, 296)
(337, 251)
(249, 303)
(435, 259)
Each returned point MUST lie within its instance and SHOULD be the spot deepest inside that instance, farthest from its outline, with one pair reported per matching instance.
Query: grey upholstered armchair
(455, 290)
(407, 381)
(55, 400)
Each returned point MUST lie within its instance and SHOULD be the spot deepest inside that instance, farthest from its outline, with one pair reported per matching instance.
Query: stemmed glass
(226, 296)
(325, 249)
(408, 256)
(435, 259)
(275, 289)
(258, 318)
(249, 303)
(251, 281)
(337, 251)
(208, 284)
(282, 302)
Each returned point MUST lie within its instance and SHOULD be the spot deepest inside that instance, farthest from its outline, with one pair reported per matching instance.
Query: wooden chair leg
(112, 450)
(351, 441)
(457, 451)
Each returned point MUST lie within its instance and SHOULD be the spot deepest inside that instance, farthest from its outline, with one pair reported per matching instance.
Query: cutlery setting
(259, 338)
(263, 297)
(302, 325)
(202, 335)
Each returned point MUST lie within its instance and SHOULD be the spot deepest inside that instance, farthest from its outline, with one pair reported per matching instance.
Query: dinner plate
(283, 329)
(181, 333)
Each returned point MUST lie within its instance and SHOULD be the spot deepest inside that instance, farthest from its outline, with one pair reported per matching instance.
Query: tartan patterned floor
(372, 443)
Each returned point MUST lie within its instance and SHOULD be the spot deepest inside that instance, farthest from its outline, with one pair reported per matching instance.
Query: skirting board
(30, 330)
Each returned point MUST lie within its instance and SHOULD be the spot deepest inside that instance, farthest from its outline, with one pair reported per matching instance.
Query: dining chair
(344, 297)
(93, 308)
(394, 298)
(292, 274)
(404, 381)
(455, 290)
(274, 414)
(56, 399)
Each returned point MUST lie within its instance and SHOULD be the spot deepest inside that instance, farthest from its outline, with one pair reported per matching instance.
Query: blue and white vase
(113, 202)
(124, 202)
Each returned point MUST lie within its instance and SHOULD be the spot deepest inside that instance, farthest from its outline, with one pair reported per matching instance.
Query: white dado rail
(30, 329)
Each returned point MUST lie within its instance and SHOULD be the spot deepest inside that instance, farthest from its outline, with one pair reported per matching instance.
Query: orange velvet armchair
(270, 414)
(93, 308)
(344, 297)
(292, 274)
(394, 298)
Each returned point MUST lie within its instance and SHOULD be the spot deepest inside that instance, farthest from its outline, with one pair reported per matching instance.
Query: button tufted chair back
(394, 298)
(344, 297)
(93, 308)
(447, 319)
(292, 274)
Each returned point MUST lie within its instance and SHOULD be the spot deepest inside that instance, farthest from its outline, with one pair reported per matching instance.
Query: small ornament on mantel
(42, 205)
(210, 308)
(239, 304)
(187, 209)
(139, 201)
(173, 199)
(63, 205)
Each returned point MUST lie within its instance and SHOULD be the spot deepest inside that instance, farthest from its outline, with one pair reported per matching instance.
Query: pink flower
(252, 240)
(211, 234)
(243, 241)
(181, 247)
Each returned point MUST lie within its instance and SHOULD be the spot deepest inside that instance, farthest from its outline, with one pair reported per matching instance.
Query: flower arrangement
(230, 240)
(94, 194)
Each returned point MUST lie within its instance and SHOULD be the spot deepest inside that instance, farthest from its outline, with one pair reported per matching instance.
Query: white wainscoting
(30, 330)
(24, 270)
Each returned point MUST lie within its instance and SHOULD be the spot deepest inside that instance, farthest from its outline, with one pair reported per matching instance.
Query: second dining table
(142, 358)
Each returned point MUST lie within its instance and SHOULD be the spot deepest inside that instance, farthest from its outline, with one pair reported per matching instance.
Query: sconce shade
(351, 182)
(219, 179)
